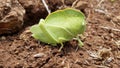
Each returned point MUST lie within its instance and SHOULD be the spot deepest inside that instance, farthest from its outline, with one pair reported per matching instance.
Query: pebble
(39, 55)
(3, 38)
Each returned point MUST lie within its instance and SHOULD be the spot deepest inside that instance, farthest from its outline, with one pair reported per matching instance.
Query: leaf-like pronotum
(59, 26)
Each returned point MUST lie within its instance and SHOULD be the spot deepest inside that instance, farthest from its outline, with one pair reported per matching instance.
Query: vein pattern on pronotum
(60, 26)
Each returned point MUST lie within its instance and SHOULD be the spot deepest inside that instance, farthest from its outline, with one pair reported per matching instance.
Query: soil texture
(101, 40)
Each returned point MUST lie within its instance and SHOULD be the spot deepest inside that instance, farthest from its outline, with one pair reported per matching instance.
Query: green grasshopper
(60, 26)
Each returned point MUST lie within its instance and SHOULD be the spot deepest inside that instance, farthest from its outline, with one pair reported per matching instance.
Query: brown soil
(101, 42)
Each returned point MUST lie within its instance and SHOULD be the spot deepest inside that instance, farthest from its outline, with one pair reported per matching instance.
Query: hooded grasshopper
(60, 26)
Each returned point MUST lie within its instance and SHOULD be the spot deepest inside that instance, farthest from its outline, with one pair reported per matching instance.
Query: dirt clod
(11, 16)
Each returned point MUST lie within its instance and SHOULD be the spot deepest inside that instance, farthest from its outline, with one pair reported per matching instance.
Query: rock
(38, 55)
(11, 16)
(81, 5)
(35, 9)
(14, 12)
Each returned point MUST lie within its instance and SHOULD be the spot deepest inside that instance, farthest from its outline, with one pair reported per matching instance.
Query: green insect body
(59, 26)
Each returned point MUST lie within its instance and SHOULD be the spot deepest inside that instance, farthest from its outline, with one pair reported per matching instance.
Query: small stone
(3, 38)
(11, 16)
(39, 55)
(81, 5)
